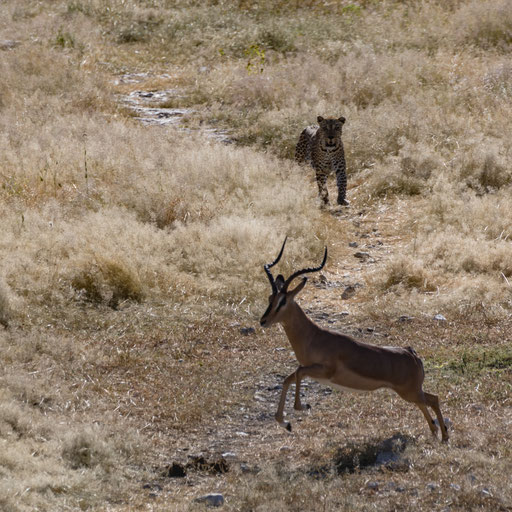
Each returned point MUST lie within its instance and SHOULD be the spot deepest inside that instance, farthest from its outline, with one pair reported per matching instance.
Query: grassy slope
(131, 256)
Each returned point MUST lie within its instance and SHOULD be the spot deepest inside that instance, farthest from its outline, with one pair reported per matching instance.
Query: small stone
(370, 329)
(8, 44)
(211, 500)
(405, 318)
(440, 318)
(156, 487)
(285, 448)
(362, 255)
(229, 455)
(353, 244)
(486, 493)
(247, 331)
(374, 486)
(447, 422)
(455, 487)
(348, 292)
(245, 468)
(432, 486)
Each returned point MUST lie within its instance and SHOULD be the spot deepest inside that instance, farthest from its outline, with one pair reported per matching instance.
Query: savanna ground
(132, 255)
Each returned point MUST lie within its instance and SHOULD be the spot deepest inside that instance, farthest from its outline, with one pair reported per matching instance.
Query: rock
(432, 486)
(440, 318)
(212, 500)
(486, 493)
(455, 487)
(247, 331)
(245, 468)
(362, 255)
(228, 455)
(156, 487)
(8, 44)
(374, 486)
(370, 329)
(405, 318)
(353, 244)
(285, 448)
(447, 421)
(348, 292)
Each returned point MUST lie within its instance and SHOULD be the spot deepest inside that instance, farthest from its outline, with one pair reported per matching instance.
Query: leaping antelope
(339, 360)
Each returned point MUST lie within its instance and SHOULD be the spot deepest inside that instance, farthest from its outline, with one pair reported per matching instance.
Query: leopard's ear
(319, 119)
(342, 120)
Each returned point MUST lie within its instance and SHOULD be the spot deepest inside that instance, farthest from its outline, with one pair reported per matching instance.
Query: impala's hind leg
(433, 401)
(431, 424)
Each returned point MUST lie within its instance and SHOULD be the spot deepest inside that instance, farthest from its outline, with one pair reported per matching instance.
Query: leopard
(321, 147)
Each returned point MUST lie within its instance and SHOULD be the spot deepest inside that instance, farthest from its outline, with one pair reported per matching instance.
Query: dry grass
(131, 255)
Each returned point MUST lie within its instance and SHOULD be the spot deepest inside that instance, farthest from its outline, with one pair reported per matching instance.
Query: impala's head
(330, 132)
(281, 298)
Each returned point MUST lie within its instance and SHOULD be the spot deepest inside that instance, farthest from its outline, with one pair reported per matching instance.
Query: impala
(339, 360)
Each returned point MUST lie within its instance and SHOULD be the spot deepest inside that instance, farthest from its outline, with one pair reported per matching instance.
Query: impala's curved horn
(305, 271)
(268, 266)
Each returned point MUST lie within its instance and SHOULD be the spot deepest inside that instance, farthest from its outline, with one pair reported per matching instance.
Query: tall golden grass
(131, 255)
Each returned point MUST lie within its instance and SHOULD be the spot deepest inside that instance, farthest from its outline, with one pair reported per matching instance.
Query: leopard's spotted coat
(321, 146)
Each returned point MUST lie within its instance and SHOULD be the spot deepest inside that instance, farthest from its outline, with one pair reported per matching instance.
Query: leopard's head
(330, 132)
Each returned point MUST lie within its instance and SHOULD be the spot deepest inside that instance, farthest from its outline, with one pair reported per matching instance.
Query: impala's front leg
(315, 371)
(282, 401)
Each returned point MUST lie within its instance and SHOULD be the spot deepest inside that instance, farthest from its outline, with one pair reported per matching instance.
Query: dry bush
(485, 24)
(88, 449)
(408, 273)
(5, 304)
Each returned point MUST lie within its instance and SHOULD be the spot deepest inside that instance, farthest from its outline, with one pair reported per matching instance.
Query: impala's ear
(298, 288)
(319, 119)
(342, 120)
(279, 282)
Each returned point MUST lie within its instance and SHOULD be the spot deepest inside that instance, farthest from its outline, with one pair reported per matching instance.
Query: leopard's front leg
(341, 182)
(321, 179)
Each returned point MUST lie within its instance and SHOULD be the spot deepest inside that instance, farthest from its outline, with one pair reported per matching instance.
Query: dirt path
(147, 105)
(244, 439)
